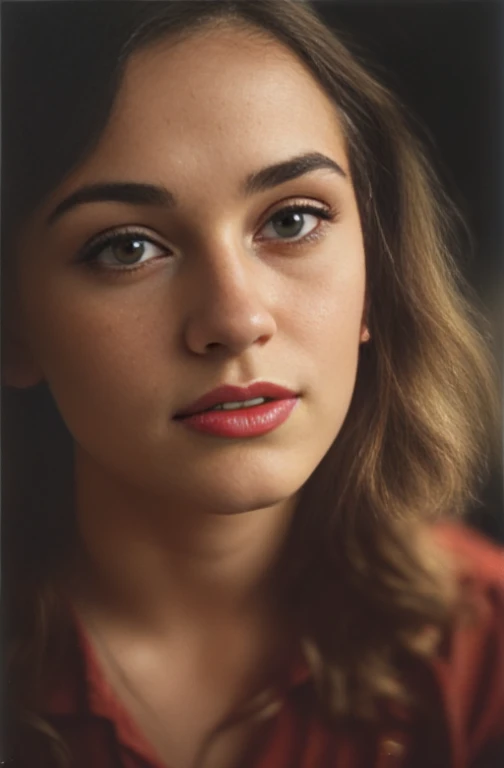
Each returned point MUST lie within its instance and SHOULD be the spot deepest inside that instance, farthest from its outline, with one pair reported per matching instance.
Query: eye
(121, 251)
(295, 222)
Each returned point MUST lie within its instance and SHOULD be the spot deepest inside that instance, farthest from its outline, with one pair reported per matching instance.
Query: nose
(228, 307)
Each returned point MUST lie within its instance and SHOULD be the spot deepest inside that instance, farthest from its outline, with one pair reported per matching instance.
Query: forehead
(222, 98)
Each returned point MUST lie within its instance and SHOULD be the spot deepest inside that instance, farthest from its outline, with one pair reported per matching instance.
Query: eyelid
(301, 202)
(104, 238)
(93, 247)
(132, 229)
(328, 213)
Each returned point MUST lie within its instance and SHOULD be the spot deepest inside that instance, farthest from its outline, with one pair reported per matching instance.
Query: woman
(230, 266)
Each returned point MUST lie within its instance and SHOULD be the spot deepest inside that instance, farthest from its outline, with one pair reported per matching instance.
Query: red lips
(231, 394)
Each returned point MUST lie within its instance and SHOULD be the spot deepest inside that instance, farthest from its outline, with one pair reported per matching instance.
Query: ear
(365, 334)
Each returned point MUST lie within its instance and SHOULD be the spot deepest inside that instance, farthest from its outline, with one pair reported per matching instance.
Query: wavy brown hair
(415, 442)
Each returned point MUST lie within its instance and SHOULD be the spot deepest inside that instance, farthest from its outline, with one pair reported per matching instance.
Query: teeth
(235, 406)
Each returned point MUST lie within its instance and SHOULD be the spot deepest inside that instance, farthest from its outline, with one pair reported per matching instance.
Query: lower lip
(242, 422)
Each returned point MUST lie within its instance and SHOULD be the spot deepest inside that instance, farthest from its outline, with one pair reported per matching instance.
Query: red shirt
(466, 680)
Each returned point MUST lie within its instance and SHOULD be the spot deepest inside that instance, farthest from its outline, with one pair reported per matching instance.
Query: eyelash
(90, 253)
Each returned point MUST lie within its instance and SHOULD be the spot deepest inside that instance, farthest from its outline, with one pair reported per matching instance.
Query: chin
(240, 479)
(253, 502)
(236, 494)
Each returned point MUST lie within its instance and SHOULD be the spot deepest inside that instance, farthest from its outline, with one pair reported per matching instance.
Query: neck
(156, 564)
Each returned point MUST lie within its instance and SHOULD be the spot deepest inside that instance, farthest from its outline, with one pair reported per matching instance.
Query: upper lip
(231, 394)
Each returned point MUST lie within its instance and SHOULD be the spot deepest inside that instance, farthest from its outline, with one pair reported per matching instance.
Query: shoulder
(470, 668)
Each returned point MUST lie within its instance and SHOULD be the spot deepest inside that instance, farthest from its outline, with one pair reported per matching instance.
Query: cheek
(328, 306)
(97, 347)
(326, 329)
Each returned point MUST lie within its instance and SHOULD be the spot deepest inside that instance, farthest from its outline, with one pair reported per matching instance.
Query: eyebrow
(137, 193)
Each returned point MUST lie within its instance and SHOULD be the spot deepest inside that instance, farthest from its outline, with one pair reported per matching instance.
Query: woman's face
(214, 287)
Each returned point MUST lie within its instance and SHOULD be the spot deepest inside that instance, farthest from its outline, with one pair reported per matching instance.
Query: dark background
(445, 61)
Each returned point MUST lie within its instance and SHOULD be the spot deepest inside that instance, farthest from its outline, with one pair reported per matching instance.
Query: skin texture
(168, 516)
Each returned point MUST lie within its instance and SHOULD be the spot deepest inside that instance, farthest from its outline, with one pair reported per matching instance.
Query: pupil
(289, 224)
(129, 250)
